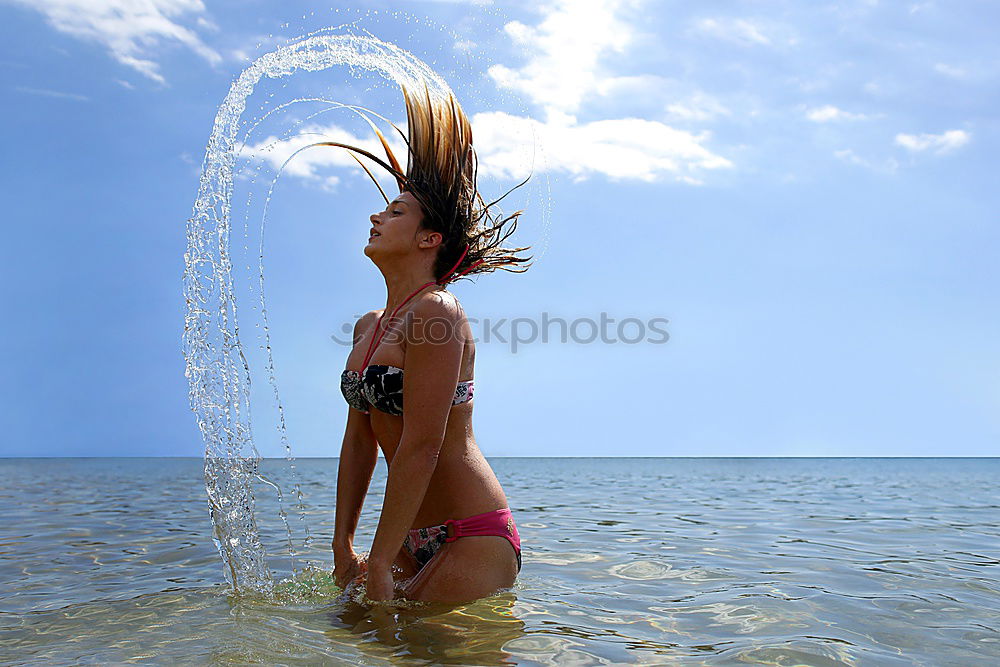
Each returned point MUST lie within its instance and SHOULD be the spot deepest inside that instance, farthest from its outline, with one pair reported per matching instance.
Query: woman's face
(398, 230)
(394, 230)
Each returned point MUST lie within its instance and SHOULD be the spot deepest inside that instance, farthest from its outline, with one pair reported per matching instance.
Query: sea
(649, 561)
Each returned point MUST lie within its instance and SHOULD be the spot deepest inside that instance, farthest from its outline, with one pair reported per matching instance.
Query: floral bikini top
(382, 386)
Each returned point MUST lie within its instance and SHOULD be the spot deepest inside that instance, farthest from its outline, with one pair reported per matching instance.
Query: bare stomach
(463, 483)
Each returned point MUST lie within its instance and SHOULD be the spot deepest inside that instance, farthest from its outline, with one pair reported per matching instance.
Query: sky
(793, 205)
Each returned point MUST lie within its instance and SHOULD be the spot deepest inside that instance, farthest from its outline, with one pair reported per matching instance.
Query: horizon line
(301, 458)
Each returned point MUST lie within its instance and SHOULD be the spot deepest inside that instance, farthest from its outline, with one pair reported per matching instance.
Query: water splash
(216, 367)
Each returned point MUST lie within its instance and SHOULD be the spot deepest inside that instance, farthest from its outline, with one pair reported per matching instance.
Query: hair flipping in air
(441, 170)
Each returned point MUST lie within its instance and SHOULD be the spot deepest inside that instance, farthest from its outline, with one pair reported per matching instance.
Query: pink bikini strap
(446, 279)
(373, 345)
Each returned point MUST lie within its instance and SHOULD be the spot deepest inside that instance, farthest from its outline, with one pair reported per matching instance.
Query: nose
(374, 218)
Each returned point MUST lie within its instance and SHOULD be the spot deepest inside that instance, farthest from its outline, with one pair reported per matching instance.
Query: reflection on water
(626, 561)
(442, 634)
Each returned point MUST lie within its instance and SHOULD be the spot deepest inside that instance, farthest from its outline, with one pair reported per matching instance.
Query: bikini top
(381, 385)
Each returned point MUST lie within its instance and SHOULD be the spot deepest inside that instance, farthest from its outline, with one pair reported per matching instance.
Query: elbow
(422, 452)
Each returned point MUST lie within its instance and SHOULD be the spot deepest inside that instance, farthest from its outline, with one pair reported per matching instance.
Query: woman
(445, 523)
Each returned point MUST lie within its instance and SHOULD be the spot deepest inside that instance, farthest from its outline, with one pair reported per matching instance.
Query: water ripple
(732, 562)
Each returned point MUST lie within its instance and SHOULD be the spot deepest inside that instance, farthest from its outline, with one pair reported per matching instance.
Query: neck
(401, 285)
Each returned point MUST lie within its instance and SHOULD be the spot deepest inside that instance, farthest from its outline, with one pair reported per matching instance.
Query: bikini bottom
(423, 543)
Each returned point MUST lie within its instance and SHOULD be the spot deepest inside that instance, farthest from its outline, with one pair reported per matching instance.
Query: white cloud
(44, 92)
(830, 113)
(950, 71)
(698, 107)
(315, 165)
(847, 155)
(564, 72)
(737, 31)
(626, 148)
(127, 28)
(889, 166)
(632, 86)
(566, 49)
(623, 148)
(206, 24)
(938, 143)
(916, 143)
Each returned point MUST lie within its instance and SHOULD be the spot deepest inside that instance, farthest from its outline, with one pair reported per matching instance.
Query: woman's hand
(348, 566)
(379, 584)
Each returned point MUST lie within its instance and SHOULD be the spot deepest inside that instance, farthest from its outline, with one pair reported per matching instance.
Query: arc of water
(216, 368)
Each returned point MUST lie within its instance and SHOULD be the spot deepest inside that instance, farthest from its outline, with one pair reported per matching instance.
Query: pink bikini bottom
(423, 543)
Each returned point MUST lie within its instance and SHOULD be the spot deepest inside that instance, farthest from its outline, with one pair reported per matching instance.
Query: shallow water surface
(634, 561)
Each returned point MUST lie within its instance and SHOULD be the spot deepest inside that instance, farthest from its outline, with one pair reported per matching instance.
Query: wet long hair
(441, 170)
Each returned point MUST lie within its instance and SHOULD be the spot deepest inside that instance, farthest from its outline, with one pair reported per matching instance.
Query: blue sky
(806, 191)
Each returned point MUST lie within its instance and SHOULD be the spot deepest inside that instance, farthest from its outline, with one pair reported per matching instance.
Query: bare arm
(358, 455)
(432, 369)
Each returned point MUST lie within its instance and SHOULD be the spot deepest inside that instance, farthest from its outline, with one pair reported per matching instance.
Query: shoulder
(436, 314)
(438, 305)
(366, 322)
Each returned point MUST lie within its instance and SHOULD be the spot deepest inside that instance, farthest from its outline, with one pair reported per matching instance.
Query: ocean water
(626, 561)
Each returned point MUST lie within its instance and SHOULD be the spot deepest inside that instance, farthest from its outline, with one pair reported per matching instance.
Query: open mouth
(373, 234)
